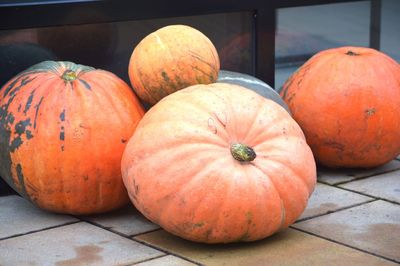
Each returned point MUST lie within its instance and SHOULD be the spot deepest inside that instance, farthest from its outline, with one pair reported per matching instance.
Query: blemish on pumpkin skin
(249, 217)
(123, 140)
(29, 102)
(334, 145)
(11, 90)
(62, 134)
(20, 129)
(15, 144)
(370, 111)
(165, 76)
(21, 180)
(196, 225)
(37, 106)
(28, 134)
(212, 126)
(62, 116)
(85, 84)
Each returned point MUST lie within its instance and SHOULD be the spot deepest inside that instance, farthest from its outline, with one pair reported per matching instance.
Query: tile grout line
(337, 210)
(134, 239)
(358, 178)
(346, 245)
(149, 259)
(162, 256)
(40, 230)
(166, 251)
(370, 196)
(114, 231)
(361, 193)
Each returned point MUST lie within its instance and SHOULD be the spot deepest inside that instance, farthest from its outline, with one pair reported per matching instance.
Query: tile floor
(353, 218)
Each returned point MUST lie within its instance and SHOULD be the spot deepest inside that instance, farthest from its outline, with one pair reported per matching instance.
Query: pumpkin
(347, 101)
(253, 84)
(169, 59)
(63, 128)
(218, 163)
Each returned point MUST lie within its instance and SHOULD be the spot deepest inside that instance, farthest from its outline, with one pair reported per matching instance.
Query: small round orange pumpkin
(219, 163)
(347, 101)
(170, 59)
(63, 129)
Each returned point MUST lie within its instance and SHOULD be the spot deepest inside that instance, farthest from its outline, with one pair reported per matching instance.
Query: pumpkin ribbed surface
(347, 101)
(63, 128)
(219, 163)
(170, 59)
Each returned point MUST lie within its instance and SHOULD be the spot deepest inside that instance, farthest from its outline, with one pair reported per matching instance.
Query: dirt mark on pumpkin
(212, 126)
(370, 111)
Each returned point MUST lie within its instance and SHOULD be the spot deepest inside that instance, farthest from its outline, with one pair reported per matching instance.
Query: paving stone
(385, 186)
(169, 260)
(289, 247)
(75, 244)
(373, 227)
(337, 176)
(326, 199)
(127, 221)
(19, 216)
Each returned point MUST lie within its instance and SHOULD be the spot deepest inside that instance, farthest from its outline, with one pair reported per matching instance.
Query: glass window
(304, 31)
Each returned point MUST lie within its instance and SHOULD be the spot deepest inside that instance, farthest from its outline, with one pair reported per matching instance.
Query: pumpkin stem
(69, 75)
(242, 153)
(349, 52)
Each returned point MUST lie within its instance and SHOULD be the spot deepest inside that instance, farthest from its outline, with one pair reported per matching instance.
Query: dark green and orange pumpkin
(63, 128)
(172, 58)
(347, 101)
(219, 163)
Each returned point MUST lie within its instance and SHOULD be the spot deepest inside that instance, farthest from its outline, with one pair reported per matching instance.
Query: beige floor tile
(373, 227)
(337, 176)
(385, 186)
(127, 221)
(169, 260)
(326, 199)
(73, 245)
(290, 247)
(19, 216)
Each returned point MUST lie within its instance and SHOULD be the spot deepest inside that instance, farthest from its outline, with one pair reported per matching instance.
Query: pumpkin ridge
(215, 56)
(283, 209)
(143, 89)
(110, 76)
(255, 117)
(183, 142)
(181, 192)
(172, 61)
(277, 160)
(197, 57)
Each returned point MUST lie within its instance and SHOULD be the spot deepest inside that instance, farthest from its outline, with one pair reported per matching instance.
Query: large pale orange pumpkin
(219, 163)
(63, 128)
(172, 58)
(347, 101)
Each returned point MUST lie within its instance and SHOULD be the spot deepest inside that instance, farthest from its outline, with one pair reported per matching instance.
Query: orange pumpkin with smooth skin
(347, 101)
(219, 163)
(63, 129)
(172, 58)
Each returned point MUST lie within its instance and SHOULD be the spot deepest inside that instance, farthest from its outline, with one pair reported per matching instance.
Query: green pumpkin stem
(350, 52)
(242, 153)
(69, 75)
